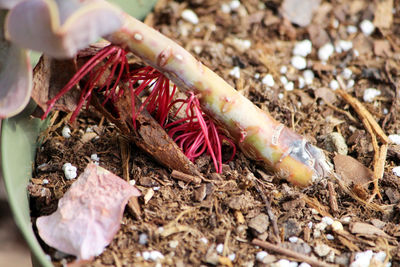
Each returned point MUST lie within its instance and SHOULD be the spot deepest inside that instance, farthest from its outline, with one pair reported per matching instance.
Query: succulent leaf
(61, 28)
(8, 4)
(15, 76)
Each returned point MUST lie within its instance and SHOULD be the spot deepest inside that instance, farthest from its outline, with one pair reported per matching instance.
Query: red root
(196, 133)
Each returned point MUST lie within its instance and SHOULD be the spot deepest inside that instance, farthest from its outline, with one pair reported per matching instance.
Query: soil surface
(215, 222)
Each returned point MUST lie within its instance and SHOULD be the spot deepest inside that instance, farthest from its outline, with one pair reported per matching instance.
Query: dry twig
(187, 178)
(290, 253)
(374, 130)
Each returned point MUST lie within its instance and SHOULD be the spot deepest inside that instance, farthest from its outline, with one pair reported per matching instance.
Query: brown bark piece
(149, 135)
(48, 80)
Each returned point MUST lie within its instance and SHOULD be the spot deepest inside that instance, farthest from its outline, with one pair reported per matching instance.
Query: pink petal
(61, 28)
(88, 215)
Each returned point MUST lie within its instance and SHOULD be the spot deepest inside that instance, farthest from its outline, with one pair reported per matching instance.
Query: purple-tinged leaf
(61, 28)
(88, 215)
(8, 4)
(15, 76)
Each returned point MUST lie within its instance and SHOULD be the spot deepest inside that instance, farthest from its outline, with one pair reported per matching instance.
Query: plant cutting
(258, 135)
(228, 210)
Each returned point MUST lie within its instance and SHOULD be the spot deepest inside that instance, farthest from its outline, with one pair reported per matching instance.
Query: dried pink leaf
(88, 215)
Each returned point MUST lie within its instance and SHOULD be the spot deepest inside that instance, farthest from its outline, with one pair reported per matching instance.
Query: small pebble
(299, 62)
(302, 48)
(330, 237)
(197, 49)
(282, 263)
(321, 226)
(173, 243)
(220, 248)
(310, 224)
(235, 72)
(351, 29)
(370, 94)
(132, 182)
(304, 264)
(362, 259)
(335, 23)
(395, 138)
(289, 86)
(346, 219)
(257, 76)
(396, 171)
(367, 27)
(280, 96)
(283, 80)
(225, 8)
(322, 249)
(66, 132)
(143, 239)
(385, 111)
(261, 255)
(346, 73)
(156, 255)
(327, 220)
(94, 157)
(350, 84)
(345, 45)
(268, 80)
(70, 171)
(335, 142)
(45, 181)
(241, 45)
(302, 82)
(204, 240)
(334, 85)
(156, 188)
(293, 239)
(232, 256)
(190, 16)
(325, 51)
(314, 211)
(283, 70)
(380, 256)
(308, 76)
(235, 4)
(337, 226)
(89, 130)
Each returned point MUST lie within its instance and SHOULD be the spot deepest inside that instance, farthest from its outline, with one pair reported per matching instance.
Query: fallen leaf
(326, 94)
(351, 171)
(88, 215)
(367, 229)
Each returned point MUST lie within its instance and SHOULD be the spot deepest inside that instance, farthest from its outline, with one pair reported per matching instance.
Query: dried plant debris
(88, 215)
(302, 74)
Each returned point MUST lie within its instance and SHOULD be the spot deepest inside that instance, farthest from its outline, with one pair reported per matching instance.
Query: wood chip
(367, 229)
(149, 194)
(383, 16)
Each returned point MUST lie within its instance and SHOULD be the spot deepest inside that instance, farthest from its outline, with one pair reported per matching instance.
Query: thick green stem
(258, 135)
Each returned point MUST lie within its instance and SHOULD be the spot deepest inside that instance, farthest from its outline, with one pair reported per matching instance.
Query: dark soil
(185, 222)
